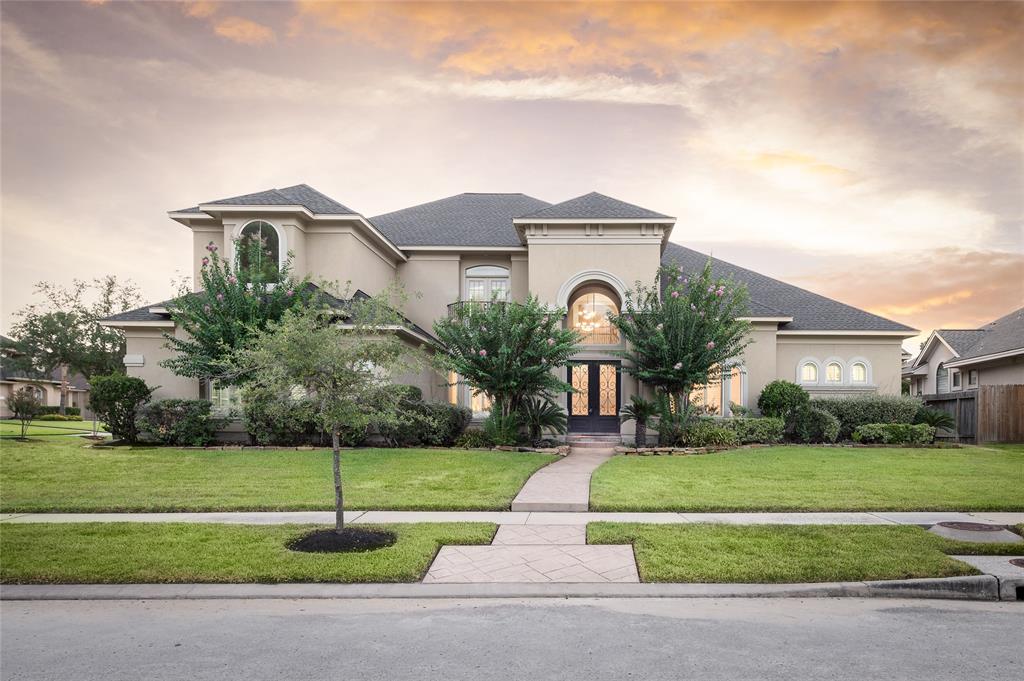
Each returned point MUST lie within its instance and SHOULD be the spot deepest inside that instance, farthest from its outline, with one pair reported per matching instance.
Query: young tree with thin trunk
(26, 406)
(341, 360)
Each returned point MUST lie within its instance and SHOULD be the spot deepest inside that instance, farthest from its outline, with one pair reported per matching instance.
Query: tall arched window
(859, 372)
(487, 283)
(260, 250)
(589, 308)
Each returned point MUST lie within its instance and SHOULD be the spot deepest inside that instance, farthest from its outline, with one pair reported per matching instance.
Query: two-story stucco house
(580, 255)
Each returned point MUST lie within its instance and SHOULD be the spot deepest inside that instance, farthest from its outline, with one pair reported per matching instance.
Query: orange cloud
(945, 288)
(487, 39)
(200, 9)
(245, 31)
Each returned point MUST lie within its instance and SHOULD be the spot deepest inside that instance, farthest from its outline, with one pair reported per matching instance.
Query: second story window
(487, 283)
(588, 314)
(260, 250)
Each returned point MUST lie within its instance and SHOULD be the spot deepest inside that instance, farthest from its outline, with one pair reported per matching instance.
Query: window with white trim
(834, 372)
(858, 373)
(487, 283)
(809, 373)
(225, 400)
(972, 378)
(260, 250)
(954, 376)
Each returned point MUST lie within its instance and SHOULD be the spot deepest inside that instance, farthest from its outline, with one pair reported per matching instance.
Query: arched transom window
(487, 283)
(834, 372)
(589, 308)
(260, 250)
(809, 373)
(858, 373)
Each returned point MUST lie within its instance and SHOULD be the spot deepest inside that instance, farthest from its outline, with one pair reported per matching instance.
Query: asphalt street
(399, 639)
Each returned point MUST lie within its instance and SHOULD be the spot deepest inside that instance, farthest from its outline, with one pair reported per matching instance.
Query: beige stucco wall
(760, 360)
(552, 264)
(343, 256)
(1009, 372)
(149, 343)
(881, 353)
(431, 282)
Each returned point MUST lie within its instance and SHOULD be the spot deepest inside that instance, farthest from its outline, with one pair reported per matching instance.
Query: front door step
(579, 564)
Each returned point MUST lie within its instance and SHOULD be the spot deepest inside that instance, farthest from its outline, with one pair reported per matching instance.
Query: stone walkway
(563, 486)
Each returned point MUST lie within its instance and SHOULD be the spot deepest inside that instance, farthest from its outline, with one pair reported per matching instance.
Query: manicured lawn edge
(67, 476)
(807, 479)
(779, 554)
(133, 553)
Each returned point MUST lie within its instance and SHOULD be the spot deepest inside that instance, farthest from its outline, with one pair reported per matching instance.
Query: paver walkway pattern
(563, 485)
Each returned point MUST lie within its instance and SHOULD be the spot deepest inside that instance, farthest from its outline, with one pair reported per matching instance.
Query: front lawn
(815, 479)
(789, 553)
(123, 553)
(66, 475)
(9, 428)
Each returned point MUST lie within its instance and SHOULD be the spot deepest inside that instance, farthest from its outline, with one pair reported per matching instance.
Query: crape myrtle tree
(25, 405)
(63, 331)
(507, 351)
(341, 361)
(682, 330)
(234, 303)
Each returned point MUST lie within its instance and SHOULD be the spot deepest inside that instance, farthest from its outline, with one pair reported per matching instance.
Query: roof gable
(593, 206)
(297, 195)
(1003, 335)
(461, 220)
(810, 311)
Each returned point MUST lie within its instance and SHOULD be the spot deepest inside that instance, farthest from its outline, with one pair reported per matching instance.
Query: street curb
(978, 588)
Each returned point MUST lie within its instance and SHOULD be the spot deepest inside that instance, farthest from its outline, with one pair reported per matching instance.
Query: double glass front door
(594, 406)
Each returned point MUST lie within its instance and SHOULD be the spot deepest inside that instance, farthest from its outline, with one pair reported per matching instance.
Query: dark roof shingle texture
(1002, 335)
(810, 311)
(593, 205)
(461, 220)
(298, 195)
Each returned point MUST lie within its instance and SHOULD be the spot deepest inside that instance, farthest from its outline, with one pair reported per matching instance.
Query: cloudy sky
(869, 152)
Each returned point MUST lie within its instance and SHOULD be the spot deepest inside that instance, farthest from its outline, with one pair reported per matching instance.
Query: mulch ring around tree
(350, 540)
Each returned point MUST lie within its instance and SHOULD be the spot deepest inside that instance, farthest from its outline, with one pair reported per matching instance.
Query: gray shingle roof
(1002, 335)
(960, 340)
(461, 220)
(593, 205)
(810, 311)
(300, 194)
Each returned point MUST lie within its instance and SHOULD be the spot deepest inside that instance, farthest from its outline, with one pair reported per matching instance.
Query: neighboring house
(47, 388)
(953, 360)
(580, 255)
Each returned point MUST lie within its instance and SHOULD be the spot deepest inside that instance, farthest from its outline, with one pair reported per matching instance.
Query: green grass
(66, 475)
(789, 553)
(96, 553)
(815, 479)
(10, 428)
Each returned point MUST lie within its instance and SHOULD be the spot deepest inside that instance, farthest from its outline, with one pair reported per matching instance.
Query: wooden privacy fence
(990, 413)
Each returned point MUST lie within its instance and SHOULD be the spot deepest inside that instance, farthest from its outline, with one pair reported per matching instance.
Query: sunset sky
(872, 153)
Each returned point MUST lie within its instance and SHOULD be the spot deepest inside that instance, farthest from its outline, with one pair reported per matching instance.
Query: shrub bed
(854, 412)
(68, 411)
(811, 425)
(767, 430)
(894, 433)
(181, 423)
(708, 434)
(58, 417)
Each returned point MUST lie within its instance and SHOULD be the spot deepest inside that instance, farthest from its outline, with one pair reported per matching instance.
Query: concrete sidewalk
(924, 518)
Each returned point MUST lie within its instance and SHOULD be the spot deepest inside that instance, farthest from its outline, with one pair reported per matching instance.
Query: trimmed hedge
(782, 398)
(181, 423)
(895, 433)
(708, 434)
(58, 417)
(812, 425)
(766, 430)
(854, 412)
(68, 411)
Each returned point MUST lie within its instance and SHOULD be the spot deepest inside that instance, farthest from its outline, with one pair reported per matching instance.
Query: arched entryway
(594, 405)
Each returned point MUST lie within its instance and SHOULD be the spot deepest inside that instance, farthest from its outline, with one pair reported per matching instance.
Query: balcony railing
(466, 305)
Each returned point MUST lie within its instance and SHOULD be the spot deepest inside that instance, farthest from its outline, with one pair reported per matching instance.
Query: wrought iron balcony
(461, 306)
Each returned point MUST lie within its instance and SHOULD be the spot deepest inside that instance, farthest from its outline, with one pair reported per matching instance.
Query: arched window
(834, 372)
(487, 283)
(809, 373)
(260, 250)
(859, 372)
(589, 308)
